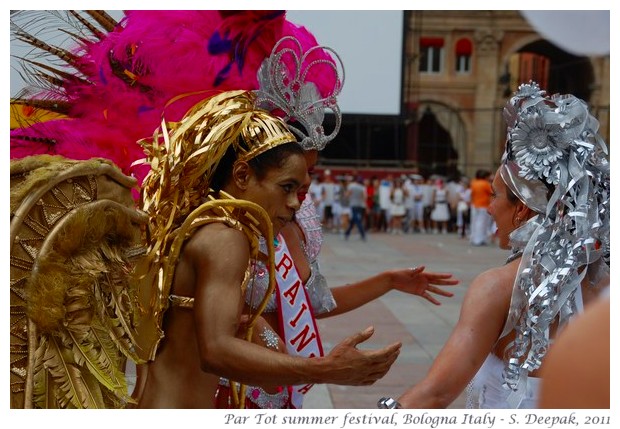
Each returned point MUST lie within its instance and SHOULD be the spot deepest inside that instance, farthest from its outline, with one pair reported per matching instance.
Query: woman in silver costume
(551, 206)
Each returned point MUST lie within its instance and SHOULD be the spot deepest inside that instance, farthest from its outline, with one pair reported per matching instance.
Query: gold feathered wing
(74, 234)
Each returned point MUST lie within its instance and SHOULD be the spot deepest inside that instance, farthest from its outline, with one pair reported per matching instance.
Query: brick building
(459, 68)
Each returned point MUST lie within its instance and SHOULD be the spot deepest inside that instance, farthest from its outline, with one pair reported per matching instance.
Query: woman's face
(311, 157)
(277, 191)
(503, 211)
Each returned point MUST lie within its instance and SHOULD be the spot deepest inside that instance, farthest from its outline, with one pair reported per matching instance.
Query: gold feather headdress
(184, 155)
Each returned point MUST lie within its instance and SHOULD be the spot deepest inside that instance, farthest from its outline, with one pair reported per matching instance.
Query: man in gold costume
(172, 280)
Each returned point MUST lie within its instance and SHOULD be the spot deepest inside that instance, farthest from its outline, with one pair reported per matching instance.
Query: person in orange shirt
(481, 221)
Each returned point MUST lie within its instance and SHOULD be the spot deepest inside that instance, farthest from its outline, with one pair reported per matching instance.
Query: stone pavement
(421, 326)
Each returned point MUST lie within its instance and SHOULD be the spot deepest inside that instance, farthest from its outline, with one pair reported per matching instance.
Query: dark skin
(201, 344)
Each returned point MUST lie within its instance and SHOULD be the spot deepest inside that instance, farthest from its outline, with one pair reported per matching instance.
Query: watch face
(387, 403)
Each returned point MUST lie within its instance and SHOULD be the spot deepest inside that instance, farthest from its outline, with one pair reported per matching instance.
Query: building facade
(459, 69)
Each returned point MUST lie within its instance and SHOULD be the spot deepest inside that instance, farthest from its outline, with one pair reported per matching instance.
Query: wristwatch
(388, 403)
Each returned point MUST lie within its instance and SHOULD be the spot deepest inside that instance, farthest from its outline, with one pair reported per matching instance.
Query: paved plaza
(421, 326)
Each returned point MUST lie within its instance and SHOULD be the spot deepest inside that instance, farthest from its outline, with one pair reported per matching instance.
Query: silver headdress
(556, 163)
(288, 83)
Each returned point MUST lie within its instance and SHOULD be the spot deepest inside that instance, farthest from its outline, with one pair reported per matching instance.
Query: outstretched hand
(417, 282)
(352, 367)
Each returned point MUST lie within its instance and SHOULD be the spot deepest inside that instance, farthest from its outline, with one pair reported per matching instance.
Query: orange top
(480, 193)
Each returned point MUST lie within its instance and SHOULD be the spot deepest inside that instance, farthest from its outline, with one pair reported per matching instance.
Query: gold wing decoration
(75, 234)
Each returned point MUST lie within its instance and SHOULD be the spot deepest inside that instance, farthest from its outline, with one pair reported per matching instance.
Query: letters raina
(294, 303)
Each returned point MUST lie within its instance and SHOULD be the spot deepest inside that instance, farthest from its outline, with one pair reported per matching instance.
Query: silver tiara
(286, 86)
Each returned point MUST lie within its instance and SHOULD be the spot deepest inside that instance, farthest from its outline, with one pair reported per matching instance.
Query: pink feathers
(148, 60)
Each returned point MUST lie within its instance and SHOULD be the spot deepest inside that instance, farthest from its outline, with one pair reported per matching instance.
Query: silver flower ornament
(537, 146)
(529, 90)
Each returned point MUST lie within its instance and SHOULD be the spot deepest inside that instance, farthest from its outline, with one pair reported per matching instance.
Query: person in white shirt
(462, 208)
(416, 195)
(385, 203)
(397, 208)
(409, 205)
(316, 193)
(328, 197)
(427, 202)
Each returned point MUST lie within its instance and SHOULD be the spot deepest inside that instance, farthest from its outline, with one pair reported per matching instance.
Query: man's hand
(346, 365)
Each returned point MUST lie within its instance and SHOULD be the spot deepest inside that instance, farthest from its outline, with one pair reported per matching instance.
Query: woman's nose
(294, 201)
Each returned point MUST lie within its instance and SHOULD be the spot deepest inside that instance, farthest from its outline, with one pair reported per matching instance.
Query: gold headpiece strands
(184, 155)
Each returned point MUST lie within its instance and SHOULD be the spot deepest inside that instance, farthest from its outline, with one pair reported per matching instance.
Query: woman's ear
(523, 213)
(241, 174)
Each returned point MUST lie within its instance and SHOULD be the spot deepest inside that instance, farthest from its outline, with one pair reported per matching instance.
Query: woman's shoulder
(498, 280)
(218, 238)
(508, 269)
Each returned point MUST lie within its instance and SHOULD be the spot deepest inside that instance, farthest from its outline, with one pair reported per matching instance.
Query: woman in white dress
(551, 205)
(397, 209)
(441, 210)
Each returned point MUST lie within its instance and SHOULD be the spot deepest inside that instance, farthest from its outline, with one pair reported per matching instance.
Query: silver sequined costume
(321, 298)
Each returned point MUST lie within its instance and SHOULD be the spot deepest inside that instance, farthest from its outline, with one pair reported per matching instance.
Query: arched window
(431, 54)
(463, 50)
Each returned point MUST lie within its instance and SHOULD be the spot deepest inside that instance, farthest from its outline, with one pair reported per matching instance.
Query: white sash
(301, 334)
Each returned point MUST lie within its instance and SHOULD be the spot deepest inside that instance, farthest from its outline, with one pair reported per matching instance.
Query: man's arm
(220, 259)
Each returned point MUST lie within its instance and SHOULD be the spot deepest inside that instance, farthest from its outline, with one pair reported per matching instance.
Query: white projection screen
(369, 43)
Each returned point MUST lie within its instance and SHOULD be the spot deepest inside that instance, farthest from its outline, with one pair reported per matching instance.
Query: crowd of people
(214, 286)
(406, 204)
